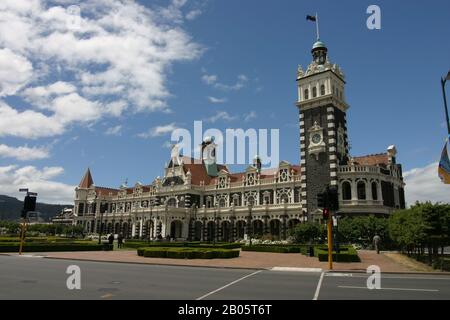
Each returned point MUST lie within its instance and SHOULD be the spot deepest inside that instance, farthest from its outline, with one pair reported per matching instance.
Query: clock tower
(323, 126)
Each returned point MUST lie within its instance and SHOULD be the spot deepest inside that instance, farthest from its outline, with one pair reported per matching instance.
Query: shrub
(53, 247)
(187, 253)
(276, 248)
(346, 254)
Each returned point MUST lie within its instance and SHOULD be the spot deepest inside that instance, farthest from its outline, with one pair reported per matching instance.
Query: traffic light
(333, 199)
(322, 200)
(326, 214)
(29, 204)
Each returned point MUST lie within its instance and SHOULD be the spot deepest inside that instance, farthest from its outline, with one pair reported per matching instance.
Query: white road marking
(226, 286)
(409, 278)
(316, 295)
(339, 274)
(399, 289)
(29, 256)
(292, 269)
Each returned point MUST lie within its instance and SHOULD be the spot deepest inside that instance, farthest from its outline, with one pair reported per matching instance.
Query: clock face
(316, 138)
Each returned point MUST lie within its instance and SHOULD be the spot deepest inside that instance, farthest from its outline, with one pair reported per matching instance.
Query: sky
(104, 89)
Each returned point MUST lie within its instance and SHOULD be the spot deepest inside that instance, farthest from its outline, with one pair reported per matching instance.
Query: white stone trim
(331, 133)
(333, 165)
(334, 182)
(333, 174)
(330, 109)
(331, 125)
(302, 138)
(332, 157)
(332, 149)
(330, 117)
(332, 140)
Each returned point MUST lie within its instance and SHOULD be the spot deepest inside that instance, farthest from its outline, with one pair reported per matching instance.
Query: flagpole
(317, 26)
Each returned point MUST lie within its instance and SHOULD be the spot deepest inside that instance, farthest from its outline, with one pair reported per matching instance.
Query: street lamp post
(250, 223)
(215, 226)
(443, 81)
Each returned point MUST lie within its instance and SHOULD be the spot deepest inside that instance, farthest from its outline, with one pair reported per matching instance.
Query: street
(29, 277)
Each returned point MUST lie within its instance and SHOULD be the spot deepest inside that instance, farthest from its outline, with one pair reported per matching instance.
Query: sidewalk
(248, 260)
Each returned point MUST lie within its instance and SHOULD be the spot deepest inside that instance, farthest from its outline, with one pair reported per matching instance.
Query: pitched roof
(372, 160)
(87, 180)
(103, 191)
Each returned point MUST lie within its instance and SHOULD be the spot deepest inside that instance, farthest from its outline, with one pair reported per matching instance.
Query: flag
(312, 18)
(444, 164)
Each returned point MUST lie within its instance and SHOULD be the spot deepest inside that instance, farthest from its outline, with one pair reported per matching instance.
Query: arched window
(251, 200)
(172, 202)
(361, 189)
(306, 94)
(322, 90)
(222, 203)
(314, 92)
(346, 191)
(374, 191)
(284, 198)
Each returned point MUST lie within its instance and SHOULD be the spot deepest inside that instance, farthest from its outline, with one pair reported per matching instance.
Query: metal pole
(443, 81)
(317, 26)
(22, 235)
(330, 241)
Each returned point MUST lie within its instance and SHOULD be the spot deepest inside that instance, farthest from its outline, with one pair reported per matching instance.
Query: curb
(156, 264)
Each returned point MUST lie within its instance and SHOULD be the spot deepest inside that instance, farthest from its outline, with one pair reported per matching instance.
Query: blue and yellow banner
(444, 164)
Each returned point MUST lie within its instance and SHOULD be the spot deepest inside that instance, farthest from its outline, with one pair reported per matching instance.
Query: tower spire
(87, 180)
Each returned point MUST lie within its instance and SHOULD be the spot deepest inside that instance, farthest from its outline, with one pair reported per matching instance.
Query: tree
(306, 232)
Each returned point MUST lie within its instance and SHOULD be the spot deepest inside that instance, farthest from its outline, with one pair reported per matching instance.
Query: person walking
(376, 243)
(111, 239)
(120, 240)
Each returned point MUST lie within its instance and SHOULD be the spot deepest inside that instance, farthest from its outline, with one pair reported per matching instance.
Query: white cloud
(12, 178)
(423, 184)
(15, 71)
(158, 131)
(209, 79)
(217, 100)
(193, 14)
(250, 116)
(212, 80)
(118, 57)
(114, 131)
(23, 153)
(221, 115)
(41, 96)
(27, 124)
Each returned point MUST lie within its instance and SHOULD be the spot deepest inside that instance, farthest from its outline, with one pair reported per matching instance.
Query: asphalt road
(40, 278)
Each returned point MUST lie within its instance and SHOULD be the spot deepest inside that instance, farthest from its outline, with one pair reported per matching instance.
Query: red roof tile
(372, 160)
(87, 180)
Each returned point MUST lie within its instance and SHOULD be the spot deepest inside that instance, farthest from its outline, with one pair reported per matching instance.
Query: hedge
(346, 254)
(303, 249)
(138, 244)
(54, 247)
(187, 253)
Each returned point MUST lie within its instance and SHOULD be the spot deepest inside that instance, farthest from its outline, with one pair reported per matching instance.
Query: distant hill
(10, 209)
